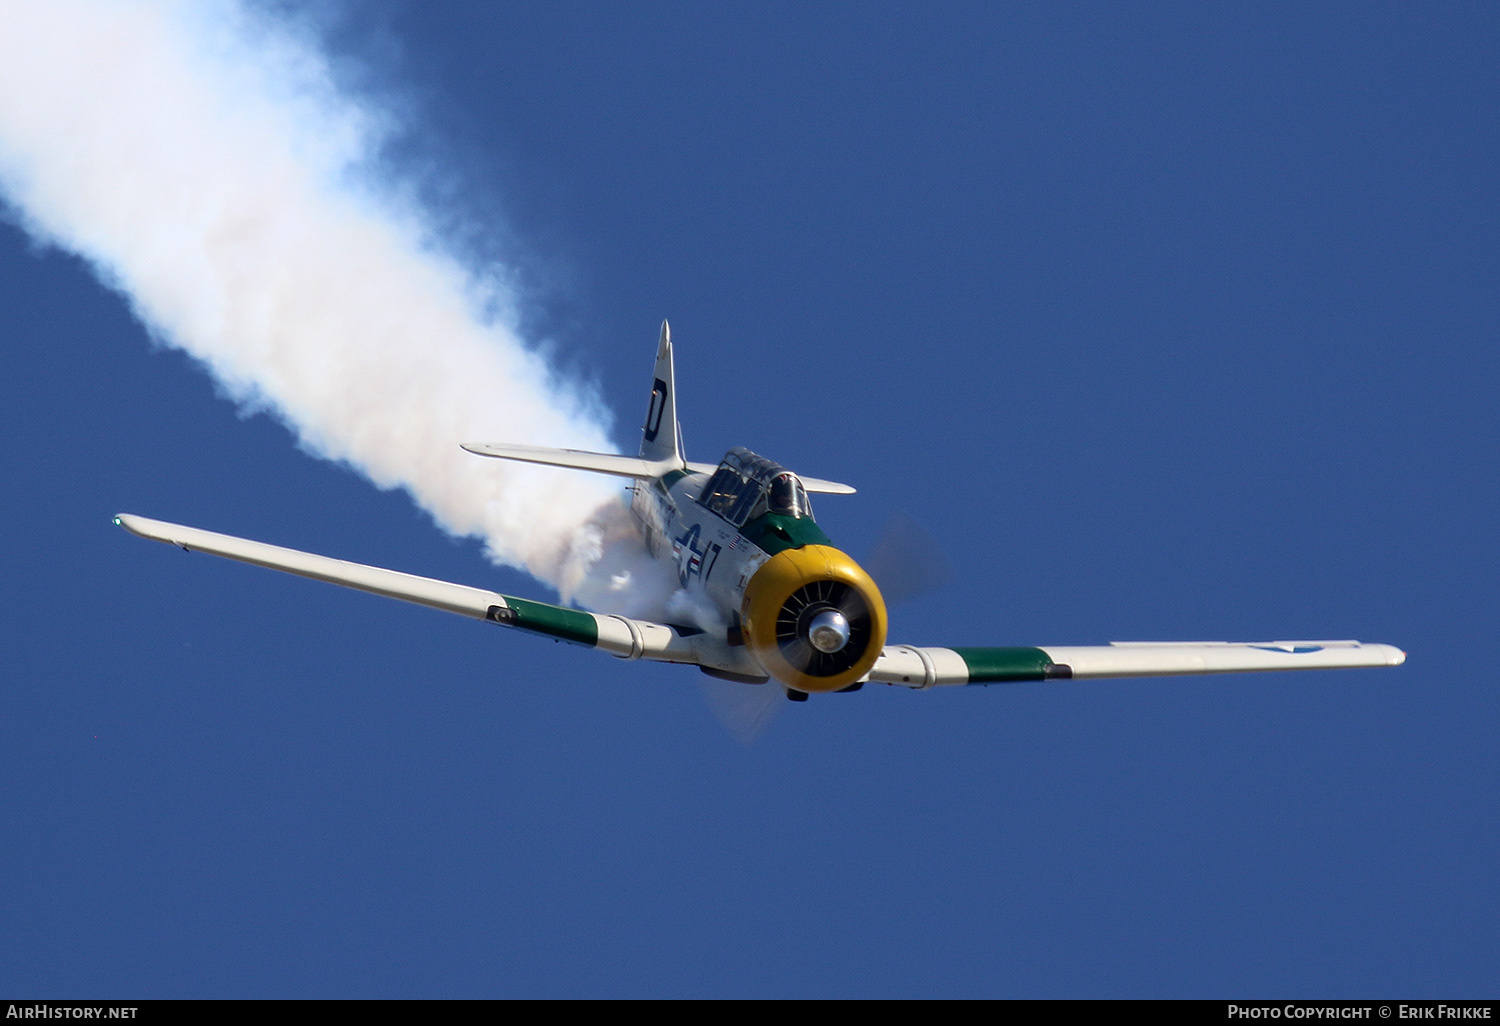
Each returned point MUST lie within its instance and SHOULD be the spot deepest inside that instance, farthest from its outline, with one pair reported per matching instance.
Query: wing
(929, 667)
(617, 635)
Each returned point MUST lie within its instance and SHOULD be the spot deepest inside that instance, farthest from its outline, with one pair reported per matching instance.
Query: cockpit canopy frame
(747, 485)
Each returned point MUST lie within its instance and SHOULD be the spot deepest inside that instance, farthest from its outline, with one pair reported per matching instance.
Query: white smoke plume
(201, 157)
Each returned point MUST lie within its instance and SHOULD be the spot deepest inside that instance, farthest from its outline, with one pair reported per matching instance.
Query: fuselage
(743, 540)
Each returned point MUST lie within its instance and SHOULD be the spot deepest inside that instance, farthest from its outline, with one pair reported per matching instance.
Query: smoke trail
(201, 158)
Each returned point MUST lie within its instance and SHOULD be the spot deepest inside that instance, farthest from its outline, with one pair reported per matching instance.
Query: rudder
(661, 435)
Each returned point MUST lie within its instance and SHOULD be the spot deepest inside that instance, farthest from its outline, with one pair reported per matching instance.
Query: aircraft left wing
(617, 635)
(932, 667)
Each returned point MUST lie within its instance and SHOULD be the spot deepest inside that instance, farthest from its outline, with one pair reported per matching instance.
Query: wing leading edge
(617, 635)
(934, 667)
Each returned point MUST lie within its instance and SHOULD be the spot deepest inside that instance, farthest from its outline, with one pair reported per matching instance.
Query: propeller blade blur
(907, 561)
(745, 710)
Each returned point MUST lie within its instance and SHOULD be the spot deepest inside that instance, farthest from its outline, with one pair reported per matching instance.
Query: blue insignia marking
(694, 563)
(1294, 650)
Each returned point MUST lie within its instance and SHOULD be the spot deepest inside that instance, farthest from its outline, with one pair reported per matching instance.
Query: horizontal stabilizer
(620, 466)
(817, 484)
(599, 462)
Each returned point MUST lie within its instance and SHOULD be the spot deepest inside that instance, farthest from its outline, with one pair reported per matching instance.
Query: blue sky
(1168, 323)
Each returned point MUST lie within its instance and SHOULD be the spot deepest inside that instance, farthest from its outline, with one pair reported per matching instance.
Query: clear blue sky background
(1169, 323)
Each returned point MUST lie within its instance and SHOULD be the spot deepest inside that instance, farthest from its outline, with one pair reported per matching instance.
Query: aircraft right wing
(617, 635)
(932, 667)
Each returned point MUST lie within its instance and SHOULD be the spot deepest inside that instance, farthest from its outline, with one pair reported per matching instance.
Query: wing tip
(151, 530)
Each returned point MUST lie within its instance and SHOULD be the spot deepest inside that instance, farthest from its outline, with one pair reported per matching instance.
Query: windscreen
(788, 497)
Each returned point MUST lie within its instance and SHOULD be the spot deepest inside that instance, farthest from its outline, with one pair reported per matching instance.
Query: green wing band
(996, 665)
(554, 621)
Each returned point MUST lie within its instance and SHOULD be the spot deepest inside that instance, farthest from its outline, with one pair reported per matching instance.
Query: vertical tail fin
(661, 435)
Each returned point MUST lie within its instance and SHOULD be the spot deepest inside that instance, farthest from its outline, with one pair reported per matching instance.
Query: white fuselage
(711, 558)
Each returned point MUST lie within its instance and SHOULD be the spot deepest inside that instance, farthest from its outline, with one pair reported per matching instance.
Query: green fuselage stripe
(774, 533)
(992, 665)
(554, 621)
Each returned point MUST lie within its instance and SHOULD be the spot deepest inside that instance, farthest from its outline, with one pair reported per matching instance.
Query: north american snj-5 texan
(799, 611)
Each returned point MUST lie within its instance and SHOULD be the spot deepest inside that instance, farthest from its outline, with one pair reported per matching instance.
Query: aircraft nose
(828, 631)
(813, 619)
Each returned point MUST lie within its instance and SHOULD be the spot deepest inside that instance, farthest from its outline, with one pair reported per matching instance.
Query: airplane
(741, 536)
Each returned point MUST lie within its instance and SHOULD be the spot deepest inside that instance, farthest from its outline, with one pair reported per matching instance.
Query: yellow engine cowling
(787, 592)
